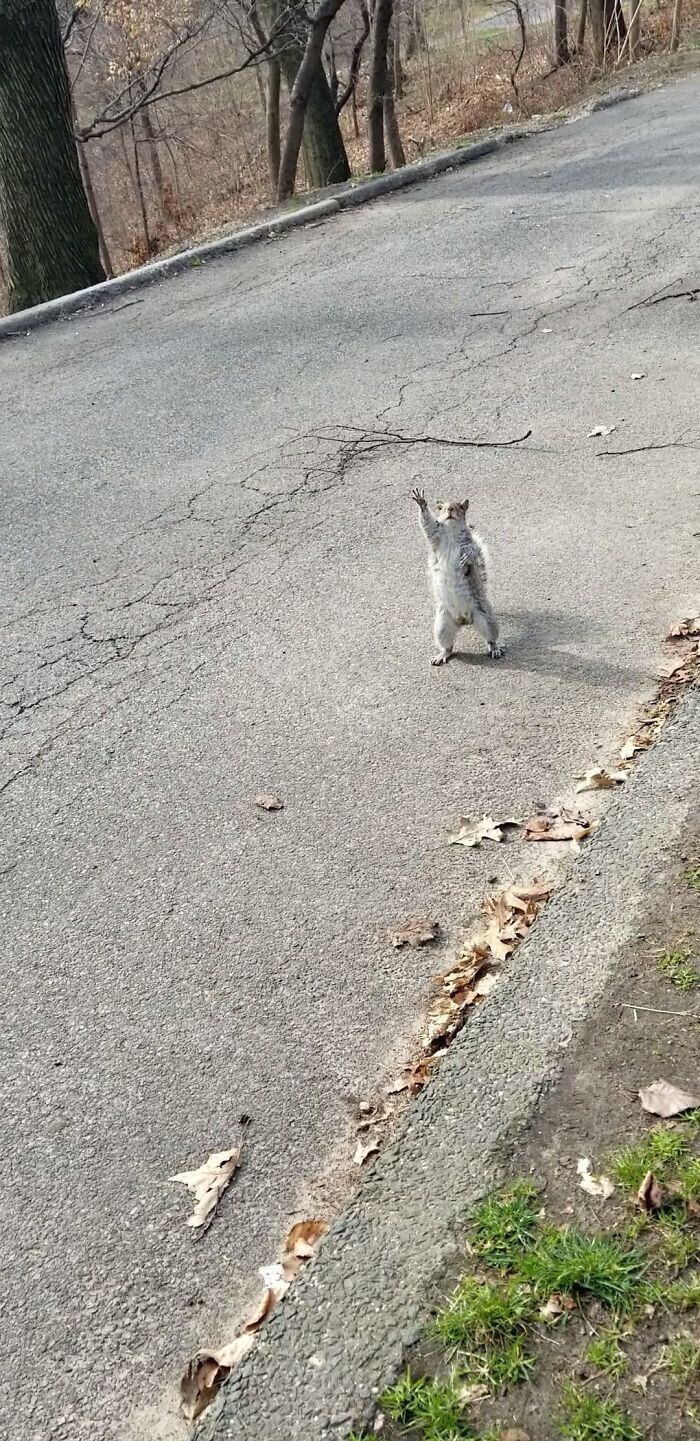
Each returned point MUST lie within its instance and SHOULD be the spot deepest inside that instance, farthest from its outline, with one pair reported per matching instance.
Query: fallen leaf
(687, 627)
(519, 896)
(515, 1433)
(209, 1182)
(600, 779)
(469, 1394)
(379, 1422)
(269, 803)
(601, 430)
(640, 1383)
(556, 1306)
(418, 1075)
(266, 1305)
(472, 833)
(662, 1099)
(650, 1195)
(363, 1150)
(629, 749)
(398, 1087)
(416, 932)
(486, 983)
(593, 1185)
(303, 1238)
(206, 1372)
(674, 668)
(558, 827)
(637, 375)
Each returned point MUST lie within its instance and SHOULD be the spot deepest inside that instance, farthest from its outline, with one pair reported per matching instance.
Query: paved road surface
(202, 600)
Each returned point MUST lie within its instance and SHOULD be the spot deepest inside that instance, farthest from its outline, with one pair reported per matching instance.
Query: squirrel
(459, 573)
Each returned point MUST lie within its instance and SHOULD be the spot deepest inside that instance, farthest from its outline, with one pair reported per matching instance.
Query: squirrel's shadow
(545, 641)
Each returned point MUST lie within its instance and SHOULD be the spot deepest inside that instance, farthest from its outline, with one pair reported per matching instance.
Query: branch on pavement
(691, 444)
(363, 441)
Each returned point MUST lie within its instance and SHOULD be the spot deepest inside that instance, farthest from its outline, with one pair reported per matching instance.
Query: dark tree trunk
(415, 30)
(392, 134)
(615, 26)
(325, 157)
(105, 257)
(309, 91)
(378, 84)
(52, 244)
(583, 12)
(350, 88)
(595, 10)
(272, 121)
(561, 39)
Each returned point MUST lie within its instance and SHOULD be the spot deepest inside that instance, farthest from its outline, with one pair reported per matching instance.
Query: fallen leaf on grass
(303, 1238)
(662, 1099)
(206, 1373)
(601, 430)
(416, 932)
(651, 1194)
(558, 826)
(599, 779)
(556, 1306)
(472, 833)
(363, 1150)
(687, 627)
(269, 803)
(600, 1186)
(209, 1182)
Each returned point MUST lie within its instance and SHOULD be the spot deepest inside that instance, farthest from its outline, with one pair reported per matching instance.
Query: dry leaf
(562, 826)
(268, 1300)
(556, 1306)
(472, 833)
(601, 430)
(416, 932)
(470, 1394)
(398, 1087)
(518, 897)
(515, 1433)
(269, 803)
(674, 668)
(418, 1075)
(640, 1383)
(661, 1099)
(363, 1150)
(209, 1182)
(600, 780)
(303, 1238)
(637, 375)
(206, 1373)
(630, 748)
(650, 1195)
(593, 1185)
(687, 627)
(379, 1422)
(486, 983)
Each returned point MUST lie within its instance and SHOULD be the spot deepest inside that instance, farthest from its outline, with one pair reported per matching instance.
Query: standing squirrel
(459, 573)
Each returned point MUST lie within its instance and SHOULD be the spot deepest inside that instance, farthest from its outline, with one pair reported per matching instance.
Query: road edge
(24, 321)
(340, 1335)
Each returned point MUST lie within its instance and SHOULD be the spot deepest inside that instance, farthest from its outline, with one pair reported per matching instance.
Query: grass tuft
(683, 1294)
(682, 1360)
(692, 876)
(486, 1324)
(504, 1226)
(432, 1407)
(587, 1418)
(606, 1355)
(660, 1151)
(678, 1244)
(579, 1265)
(678, 968)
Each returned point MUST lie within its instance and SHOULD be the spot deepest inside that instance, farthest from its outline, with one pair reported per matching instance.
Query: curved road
(204, 598)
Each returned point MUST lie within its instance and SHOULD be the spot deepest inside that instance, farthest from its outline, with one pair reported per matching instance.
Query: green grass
(432, 1407)
(692, 876)
(688, 1179)
(677, 1242)
(504, 1227)
(587, 1418)
(682, 1360)
(606, 1355)
(683, 1295)
(578, 1265)
(486, 1324)
(661, 1151)
(677, 967)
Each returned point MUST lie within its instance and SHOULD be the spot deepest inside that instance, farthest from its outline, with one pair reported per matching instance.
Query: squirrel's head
(453, 510)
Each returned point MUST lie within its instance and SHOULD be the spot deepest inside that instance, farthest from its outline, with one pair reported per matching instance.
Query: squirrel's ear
(465, 506)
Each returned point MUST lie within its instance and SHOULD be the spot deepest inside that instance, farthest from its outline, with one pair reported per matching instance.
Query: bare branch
(70, 23)
(355, 59)
(691, 444)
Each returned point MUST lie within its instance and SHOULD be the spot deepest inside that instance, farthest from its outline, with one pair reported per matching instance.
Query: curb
(24, 321)
(340, 1335)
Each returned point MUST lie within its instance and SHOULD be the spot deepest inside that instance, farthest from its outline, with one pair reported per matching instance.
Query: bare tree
(325, 156)
(561, 39)
(300, 93)
(52, 244)
(676, 26)
(378, 83)
(355, 58)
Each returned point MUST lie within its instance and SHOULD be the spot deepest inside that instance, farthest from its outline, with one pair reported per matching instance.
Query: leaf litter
(471, 832)
(600, 779)
(599, 1186)
(269, 803)
(559, 824)
(419, 931)
(208, 1183)
(665, 1100)
(205, 1374)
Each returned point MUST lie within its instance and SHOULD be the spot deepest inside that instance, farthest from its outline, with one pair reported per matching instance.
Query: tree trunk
(561, 40)
(378, 84)
(310, 101)
(595, 8)
(392, 134)
(415, 30)
(272, 121)
(396, 68)
(633, 31)
(52, 244)
(676, 26)
(581, 36)
(325, 157)
(105, 257)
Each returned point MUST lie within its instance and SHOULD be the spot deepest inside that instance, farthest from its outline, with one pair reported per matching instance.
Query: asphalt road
(202, 599)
